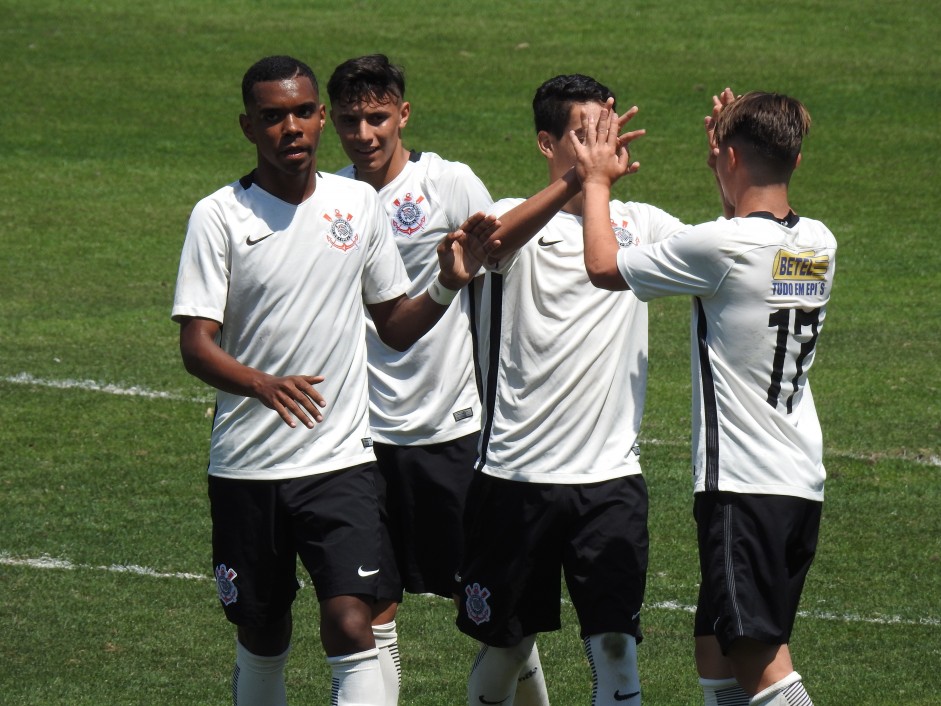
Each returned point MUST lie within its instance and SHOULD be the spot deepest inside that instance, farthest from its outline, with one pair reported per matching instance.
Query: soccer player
(760, 278)
(424, 406)
(275, 273)
(559, 487)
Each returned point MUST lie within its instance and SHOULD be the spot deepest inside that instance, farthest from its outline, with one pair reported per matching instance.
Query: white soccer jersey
(288, 283)
(564, 363)
(760, 293)
(427, 394)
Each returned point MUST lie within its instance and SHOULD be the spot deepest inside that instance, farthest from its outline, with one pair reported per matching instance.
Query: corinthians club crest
(477, 608)
(341, 234)
(409, 218)
(225, 576)
(624, 236)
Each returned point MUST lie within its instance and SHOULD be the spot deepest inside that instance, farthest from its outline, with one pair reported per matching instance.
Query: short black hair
(274, 68)
(553, 101)
(371, 77)
(768, 129)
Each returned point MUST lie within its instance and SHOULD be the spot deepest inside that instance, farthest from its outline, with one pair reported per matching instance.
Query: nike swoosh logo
(618, 696)
(366, 573)
(484, 701)
(546, 243)
(249, 241)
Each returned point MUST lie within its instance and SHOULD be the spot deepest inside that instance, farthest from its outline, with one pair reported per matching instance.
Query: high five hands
(604, 156)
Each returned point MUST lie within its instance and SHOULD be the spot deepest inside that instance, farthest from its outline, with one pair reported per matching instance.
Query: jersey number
(784, 320)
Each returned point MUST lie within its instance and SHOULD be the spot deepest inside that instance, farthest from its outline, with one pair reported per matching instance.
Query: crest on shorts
(228, 593)
(477, 608)
(625, 237)
(341, 234)
(409, 218)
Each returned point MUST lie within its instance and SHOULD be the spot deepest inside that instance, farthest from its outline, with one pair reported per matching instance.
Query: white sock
(787, 692)
(723, 692)
(612, 657)
(387, 642)
(531, 682)
(258, 680)
(496, 671)
(357, 680)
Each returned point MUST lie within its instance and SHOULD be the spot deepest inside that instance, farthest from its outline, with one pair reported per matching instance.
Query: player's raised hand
(604, 156)
(293, 397)
(726, 97)
(462, 252)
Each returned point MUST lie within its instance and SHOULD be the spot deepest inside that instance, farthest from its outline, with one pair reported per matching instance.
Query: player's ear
(797, 162)
(246, 124)
(404, 111)
(544, 140)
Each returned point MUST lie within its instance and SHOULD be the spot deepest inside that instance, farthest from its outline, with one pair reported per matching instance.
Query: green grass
(118, 116)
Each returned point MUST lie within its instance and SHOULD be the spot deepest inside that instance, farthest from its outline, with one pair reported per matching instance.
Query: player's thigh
(335, 520)
(253, 551)
(755, 551)
(606, 554)
(510, 582)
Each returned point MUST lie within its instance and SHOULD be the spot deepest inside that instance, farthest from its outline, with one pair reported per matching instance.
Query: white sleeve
(462, 193)
(202, 283)
(690, 263)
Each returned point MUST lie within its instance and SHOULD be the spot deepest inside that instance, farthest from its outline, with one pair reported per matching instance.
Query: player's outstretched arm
(602, 160)
(402, 321)
(293, 397)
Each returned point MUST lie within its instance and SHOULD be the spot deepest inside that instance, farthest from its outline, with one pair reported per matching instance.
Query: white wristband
(441, 294)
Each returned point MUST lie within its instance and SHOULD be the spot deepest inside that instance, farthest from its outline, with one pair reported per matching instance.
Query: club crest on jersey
(625, 237)
(341, 234)
(225, 576)
(409, 218)
(477, 608)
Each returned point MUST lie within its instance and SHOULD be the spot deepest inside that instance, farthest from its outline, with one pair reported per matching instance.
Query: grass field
(117, 116)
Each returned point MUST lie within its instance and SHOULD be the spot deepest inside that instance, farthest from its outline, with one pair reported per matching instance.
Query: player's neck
(771, 199)
(290, 188)
(389, 171)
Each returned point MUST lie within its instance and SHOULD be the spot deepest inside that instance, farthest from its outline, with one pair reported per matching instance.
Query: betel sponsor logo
(800, 266)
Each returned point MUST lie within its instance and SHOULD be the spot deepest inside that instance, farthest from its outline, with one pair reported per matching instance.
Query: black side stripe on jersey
(473, 294)
(493, 363)
(710, 408)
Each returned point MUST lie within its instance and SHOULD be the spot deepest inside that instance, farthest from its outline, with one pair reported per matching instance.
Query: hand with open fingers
(462, 252)
(602, 158)
(626, 138)
(293, 397)
(726, 97)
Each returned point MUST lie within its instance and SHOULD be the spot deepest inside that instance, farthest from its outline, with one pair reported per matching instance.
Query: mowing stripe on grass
(134, 391)
(48, 562)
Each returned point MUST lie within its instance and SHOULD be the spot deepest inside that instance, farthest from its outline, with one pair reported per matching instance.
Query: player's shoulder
(348, 172)
(498, 208)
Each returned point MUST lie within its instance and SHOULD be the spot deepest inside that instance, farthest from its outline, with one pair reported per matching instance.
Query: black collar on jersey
(790, 220)
(247, 180)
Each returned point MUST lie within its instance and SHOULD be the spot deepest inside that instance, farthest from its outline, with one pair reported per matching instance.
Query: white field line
(48, 562)
(108, 388)
(134, 391)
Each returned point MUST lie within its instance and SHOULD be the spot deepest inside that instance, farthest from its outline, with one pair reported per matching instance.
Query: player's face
(284, 122)
(370, 132)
